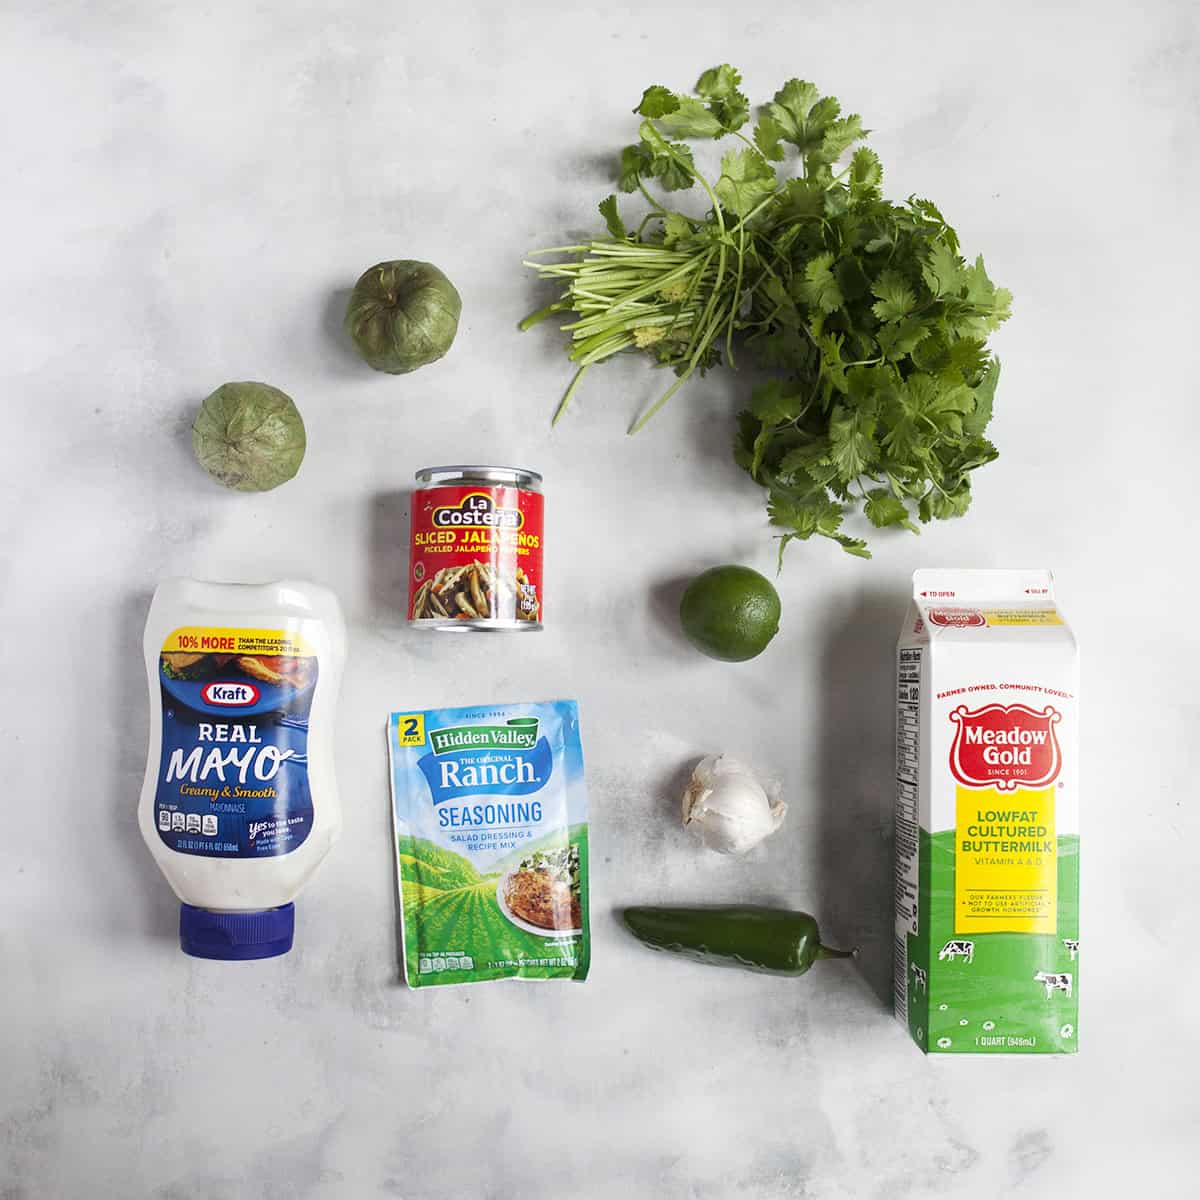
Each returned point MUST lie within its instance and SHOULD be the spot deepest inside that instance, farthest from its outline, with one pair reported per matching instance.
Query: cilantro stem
(542, 313)
(737, 293)
(641, 229)
(640, 423)
(562, 404)
(650, 198)
(693, 287)
(701, 347)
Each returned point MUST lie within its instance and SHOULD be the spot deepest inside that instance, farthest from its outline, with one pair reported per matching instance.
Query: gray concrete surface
(189, 191)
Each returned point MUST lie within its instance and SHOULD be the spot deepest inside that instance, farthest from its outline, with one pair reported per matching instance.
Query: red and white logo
(1005, 746)
(961, 618)
(229, 695)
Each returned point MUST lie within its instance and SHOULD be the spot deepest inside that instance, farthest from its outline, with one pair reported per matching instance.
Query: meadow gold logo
(1005, 746)
(958, 618)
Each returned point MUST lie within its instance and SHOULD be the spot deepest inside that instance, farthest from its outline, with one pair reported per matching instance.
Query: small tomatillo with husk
(402, 315)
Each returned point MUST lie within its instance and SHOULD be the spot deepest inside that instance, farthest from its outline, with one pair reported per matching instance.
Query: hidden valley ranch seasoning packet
(490, 811)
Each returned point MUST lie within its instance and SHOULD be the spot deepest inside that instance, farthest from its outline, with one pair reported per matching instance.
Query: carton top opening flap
(994, 606)
(948, 585)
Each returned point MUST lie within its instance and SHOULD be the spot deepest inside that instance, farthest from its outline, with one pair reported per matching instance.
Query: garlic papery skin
(727, 806)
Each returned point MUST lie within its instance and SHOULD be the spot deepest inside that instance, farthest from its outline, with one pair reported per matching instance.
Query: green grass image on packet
(490, 813)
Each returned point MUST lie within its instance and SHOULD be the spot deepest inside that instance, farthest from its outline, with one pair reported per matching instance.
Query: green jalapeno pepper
(771, 940)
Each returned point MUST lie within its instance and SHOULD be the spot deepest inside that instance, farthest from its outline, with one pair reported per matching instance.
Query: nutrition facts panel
(908, 814)
(908, 788)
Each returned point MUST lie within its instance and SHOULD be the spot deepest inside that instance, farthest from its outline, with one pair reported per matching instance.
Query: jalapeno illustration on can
(476, 553)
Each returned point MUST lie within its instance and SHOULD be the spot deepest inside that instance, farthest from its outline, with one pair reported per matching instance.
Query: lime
(730, 613)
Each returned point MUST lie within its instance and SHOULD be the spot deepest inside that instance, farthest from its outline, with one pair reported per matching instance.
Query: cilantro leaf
(801, 115)
(942, 270)
(786, 347)
(975, 452)
(840, 136)
(819, 287)
(612, 217)
(974, 423)
(991, 304)
(719, 83)
(928, 213)
(746, 180)
(801, 198)
(762, 442)
(904, 441)
(676, 229)
(802, 517)
(883, 508)
(800, 458)
(748, 429)
(867, 386)
(851, 441)
(692, 118)
(898, 340)
(657, 101)
(968, 356)
(776, 401)
(852, 279)
(720, 87)
(767, 137)
(866, 174)
(677, 172)
(635, 162)
(671, 163)
(832, 365)
(928, 400)
(855, 546)
(718, 107)
(896, 299)
(937, 504)
(810, 462)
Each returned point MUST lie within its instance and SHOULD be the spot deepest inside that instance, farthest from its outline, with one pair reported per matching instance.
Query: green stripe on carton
(998, 986)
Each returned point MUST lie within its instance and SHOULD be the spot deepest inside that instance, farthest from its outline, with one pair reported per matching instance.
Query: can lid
(459, 472)
(236, 936)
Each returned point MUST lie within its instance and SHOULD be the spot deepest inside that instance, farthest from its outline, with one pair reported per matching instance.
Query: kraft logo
(1005, 746)
(962, 618)
(230, 695)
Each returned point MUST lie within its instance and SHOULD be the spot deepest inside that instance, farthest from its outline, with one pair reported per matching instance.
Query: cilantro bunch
(874, 324)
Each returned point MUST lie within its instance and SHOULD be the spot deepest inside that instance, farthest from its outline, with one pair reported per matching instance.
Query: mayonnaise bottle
(240, 804)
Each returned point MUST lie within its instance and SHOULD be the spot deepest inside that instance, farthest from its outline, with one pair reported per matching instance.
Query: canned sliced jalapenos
(476, 553)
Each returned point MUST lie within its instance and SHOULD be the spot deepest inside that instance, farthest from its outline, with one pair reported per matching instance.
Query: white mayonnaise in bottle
(240, 804)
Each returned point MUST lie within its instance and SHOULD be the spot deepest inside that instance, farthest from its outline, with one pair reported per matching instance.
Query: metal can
(475, 559)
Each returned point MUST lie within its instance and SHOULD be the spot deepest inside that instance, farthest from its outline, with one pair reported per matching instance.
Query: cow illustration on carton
(957, 949)
(1052, 981)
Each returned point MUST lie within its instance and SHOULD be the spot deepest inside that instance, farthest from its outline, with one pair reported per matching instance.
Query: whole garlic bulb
(727, 806)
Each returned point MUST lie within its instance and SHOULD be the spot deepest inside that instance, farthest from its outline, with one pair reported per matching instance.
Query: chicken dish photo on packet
(490, 812)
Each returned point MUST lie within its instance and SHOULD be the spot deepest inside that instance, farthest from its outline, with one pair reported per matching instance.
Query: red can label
(476, 554)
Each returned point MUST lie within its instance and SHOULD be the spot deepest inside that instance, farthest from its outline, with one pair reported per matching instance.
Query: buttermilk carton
(987, 816)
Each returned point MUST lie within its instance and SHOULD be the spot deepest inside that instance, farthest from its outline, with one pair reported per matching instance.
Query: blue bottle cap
(235, 936)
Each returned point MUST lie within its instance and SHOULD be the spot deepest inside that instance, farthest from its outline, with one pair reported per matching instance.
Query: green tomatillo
(402, 315)
(249, 436)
